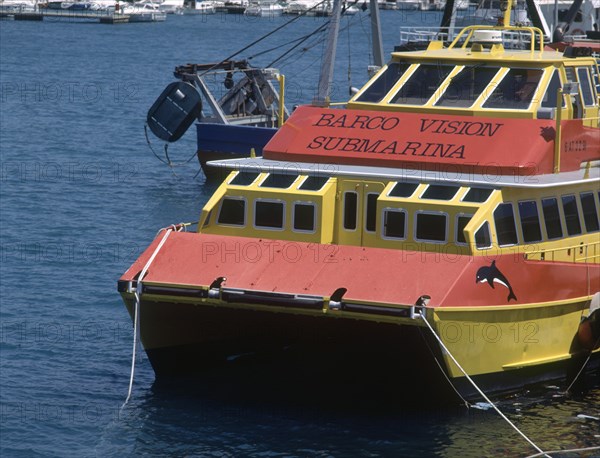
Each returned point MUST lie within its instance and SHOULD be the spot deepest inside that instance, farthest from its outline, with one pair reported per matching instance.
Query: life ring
(588, 333)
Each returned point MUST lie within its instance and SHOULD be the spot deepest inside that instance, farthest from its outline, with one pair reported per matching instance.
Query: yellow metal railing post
(281, 100)
(557, 140)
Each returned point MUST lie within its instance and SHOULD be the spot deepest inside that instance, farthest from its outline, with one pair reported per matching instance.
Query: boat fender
(174, 111)
(589, 328)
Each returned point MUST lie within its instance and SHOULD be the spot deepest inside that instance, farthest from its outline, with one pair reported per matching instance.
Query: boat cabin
(479, 77)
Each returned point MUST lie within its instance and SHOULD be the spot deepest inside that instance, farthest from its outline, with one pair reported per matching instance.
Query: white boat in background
(144, 12)
(171, 6)
(264, 8)
(17, 6)
(404, 5)
(326, 9)
(299, 6)
(432, 5)
(201, 7)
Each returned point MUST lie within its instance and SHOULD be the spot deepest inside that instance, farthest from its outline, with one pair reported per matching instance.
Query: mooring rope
(136, 318)
(541, 452)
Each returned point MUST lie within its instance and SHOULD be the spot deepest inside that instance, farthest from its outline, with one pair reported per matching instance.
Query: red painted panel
(369, 274)
(462, 144)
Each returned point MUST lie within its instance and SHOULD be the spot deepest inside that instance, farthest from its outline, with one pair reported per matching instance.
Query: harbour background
(81, 195)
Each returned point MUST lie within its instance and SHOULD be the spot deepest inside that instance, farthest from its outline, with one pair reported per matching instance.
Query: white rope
(541, 452)
(572, 450)
(136, 317)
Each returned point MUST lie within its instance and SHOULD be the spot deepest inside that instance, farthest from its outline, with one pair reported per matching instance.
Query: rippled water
(81, 195)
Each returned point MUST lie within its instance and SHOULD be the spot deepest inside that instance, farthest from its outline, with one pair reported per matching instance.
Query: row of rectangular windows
(530, 219)
(268, 214)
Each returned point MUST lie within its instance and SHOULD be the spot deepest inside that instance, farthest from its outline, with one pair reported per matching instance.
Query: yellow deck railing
(583, 252)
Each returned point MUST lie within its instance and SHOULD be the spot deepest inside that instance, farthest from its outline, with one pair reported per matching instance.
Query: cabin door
(357, 212)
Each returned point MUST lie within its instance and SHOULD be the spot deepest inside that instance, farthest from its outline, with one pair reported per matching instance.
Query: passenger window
(571, 215)
(304, 217)
(233, 211)
(590, 213)
(421, 85)
(552, 218)
(384, 82)
(312, 183)
(440, 192)
(478, 195)
(530, 221)
(394, 224)
(466, 86)
(586, 86)
(515, 91)
(461, 223)
(506, 230)
(244, 178)
(350, 209)
(403, 189)
(431, 227)
(371, 212)
(268, 214)
(275, 180)
(482, 236)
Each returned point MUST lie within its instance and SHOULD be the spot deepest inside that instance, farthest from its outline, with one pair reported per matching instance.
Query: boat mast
(376, 33)
(326, 76)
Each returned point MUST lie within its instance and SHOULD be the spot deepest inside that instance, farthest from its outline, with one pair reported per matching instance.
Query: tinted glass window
(552, 218)
(482, 236)
(586, 86)
(394, 224)
(466, 86)
(384, 82)
(440, 192)
(403, 189)
(233, 211)
(461, 223)
(304, 217)
(571, 215)
(515, 90)
(313, 183)
(421, 85)
(505, 225)
(350, 208)
(278, 181)
(431, 227)
(371, 217)
(549, 99)
(590, 213)
(478, 195)
(530, 221)
(268, 214)
(244, 178)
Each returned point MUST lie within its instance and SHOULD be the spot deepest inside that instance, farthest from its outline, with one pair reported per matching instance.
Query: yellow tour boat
(447, 214)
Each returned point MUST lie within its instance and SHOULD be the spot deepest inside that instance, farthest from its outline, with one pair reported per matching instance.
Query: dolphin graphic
(492, 275)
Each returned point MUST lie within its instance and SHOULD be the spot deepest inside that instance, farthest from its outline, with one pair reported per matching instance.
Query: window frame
(489, 233)
(383, 225)
(315, 215)
(459, 215)
(273, 201)
(435, 213)
(243, 199)
(522, 234)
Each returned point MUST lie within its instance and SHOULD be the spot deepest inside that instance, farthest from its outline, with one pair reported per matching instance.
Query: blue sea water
(81, 195)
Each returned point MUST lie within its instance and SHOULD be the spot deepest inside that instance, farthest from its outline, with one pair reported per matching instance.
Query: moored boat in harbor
(448, 214)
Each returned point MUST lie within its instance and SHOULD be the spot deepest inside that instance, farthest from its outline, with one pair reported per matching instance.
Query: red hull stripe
(369, 274)
(429, 141)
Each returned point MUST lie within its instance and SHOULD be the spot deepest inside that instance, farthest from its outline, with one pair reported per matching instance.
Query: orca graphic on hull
(493, 275)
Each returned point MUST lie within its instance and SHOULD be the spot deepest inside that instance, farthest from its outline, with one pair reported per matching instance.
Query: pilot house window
(515, 91)
(552, 218)
(421, 85)
(384, 82)
(530, 221)
(304, 217)
(571, 215)
(590, 214)
(466, 86)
